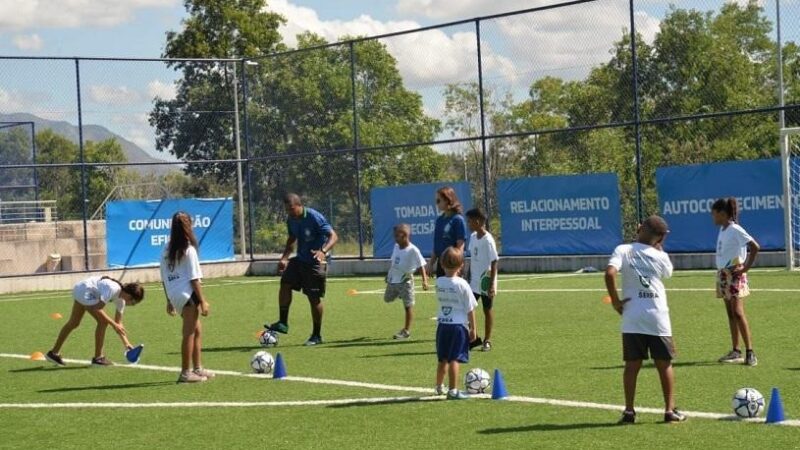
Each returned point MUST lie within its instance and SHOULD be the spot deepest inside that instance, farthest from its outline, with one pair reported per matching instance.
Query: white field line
(359, 384)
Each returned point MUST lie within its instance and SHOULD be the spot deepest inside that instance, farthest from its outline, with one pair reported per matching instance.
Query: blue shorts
(452, 343)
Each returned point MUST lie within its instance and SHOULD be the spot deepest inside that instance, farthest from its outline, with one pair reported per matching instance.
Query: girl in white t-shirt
(181, 276)
(736, 253)
(92, 295)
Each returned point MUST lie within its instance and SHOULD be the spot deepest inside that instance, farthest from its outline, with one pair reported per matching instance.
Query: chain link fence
(582, 87)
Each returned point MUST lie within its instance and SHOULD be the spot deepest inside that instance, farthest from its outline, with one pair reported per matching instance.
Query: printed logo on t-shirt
(447, 229)
(307, 232)
(446, 310)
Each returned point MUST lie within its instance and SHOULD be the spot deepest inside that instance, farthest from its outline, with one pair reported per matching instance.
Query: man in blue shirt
(307, 271)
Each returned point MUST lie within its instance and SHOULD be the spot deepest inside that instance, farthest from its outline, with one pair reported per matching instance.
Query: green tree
(63, 184)
(15, 148)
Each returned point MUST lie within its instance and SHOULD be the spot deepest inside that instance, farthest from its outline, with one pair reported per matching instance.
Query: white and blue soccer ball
(477, 381)
(748, 403)
(262, 362)
(268, 339)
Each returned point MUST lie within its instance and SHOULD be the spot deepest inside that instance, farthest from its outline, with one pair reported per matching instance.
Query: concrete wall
(25, 247)
(65, 281)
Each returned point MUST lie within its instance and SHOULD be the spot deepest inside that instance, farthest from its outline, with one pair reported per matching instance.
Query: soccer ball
(477, 381)
(748, 402)
(268, 339)
(262, 362)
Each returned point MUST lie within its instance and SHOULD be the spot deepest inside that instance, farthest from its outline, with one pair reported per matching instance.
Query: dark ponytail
(729, 206)
(135, 290)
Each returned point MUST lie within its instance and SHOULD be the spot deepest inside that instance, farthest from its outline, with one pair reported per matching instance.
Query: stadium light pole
(239, 187)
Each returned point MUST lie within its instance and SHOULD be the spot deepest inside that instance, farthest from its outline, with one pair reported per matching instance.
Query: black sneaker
(313, 340)
(674, 416)
(628, 418)
(101, 361)
(278, 327)
(750, 359)
(476, 343)
(733, 357)
(54, 358)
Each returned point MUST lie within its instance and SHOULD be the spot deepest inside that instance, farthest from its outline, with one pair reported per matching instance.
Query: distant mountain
(133, 152)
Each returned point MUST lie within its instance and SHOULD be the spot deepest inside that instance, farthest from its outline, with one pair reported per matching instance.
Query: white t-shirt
(732, 246)
(405, 261)
(455, 300)
(482, 253)
(178, 281)
(94, 290)
(643, 267)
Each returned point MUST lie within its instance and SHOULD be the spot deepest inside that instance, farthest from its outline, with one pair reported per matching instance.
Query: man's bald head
(653, 230)
(293, 205)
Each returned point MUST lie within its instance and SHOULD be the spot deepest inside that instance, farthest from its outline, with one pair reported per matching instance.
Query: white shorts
(182, 301)
(83, 295)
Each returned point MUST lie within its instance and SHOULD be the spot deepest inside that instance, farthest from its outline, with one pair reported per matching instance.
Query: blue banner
(414, 204)
(686, 193)
(138, 230)
(560, 215)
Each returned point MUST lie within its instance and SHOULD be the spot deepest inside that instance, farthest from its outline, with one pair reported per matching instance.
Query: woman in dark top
(451, 227)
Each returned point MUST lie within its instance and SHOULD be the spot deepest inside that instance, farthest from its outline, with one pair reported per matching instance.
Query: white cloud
(25, 14)
(11, 102)
(29, 42)
(430, 58)
(160, 89)
(563, 42)
(112, 95)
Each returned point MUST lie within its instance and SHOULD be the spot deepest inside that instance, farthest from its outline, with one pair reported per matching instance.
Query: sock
(284, 315)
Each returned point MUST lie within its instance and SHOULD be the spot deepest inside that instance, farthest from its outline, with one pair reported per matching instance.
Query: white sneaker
(440, 390)
(402, 334)
(191, 377)
(204, 373)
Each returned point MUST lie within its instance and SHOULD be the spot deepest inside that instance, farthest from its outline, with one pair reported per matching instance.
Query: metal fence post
(356, 153)
(84, 196)
(247, 157)
(636, 118)
(33, 157)
(483, 120)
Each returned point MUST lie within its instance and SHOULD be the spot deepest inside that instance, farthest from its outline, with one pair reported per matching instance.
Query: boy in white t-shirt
(456, 319)
(646, 327)
(736, 253)
(483, 260)
(406, 260)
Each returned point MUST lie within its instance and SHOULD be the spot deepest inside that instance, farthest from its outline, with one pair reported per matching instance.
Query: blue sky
(564, 43)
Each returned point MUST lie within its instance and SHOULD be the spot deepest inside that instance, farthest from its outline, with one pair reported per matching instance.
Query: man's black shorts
(635, 347)
(305, 277)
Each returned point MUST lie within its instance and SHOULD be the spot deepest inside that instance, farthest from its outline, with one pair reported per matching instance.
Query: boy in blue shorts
(456, 322)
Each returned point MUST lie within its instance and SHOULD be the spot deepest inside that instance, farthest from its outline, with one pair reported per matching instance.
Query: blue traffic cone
(499, 389)
(280, 368)
(775, 410)
(134, 354)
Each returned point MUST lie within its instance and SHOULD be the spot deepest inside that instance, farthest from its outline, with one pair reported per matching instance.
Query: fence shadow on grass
(107, 387)
(45, 369)
(548, 427)
(391, 355)
(649, 364)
